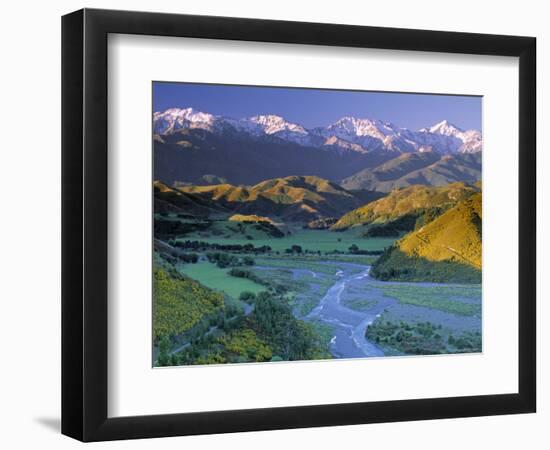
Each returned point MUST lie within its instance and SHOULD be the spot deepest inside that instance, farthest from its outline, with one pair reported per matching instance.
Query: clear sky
(318, 107)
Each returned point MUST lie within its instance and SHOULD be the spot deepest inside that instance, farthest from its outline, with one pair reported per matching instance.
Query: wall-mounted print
(321, 225)
(295, 224)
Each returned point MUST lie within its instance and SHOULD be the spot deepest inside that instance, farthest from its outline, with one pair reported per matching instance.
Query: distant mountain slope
(294, 198)
(412, 201)
(193, 147)
(186, 155)
(428, 168)
(446, 249)
(390, 170)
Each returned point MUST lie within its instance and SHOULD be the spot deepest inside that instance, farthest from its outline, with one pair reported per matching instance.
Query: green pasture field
(213, 277)
(463, 300)
(312, 240)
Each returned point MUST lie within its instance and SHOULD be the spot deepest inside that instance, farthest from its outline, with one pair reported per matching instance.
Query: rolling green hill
(292, 199)
(429, 168)
(448, 249)
(404, 207)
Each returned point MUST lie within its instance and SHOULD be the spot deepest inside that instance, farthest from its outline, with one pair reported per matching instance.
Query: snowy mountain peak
(174, 119)
(446, 128)
(272, 124)
(186, 113)
(359, 127)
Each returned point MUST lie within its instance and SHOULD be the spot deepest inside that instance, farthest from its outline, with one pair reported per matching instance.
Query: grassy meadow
(213, 277)
(312, 240)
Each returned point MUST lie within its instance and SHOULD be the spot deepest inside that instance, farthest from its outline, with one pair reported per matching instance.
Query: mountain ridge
(187, 154)
(427, 168)
(292, 198)
(368, 134)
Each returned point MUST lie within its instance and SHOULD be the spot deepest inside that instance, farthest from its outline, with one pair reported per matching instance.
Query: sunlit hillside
(447, 249)
(292, 198)
(413, 200)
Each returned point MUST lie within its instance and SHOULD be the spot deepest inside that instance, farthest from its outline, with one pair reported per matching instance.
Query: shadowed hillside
(188, 154)
(170, 200)
(429, 168)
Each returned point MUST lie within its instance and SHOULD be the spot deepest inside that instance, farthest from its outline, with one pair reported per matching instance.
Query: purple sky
(318, 107)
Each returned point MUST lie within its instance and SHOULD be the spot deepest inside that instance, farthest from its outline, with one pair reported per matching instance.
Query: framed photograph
(274, 225)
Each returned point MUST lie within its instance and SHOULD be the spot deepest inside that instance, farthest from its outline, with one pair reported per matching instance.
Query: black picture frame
(84, 224)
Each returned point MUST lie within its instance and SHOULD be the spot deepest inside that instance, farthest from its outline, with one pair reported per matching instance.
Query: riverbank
(349, 300)
(339, 300)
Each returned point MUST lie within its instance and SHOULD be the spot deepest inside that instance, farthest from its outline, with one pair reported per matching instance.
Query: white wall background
(30, 222)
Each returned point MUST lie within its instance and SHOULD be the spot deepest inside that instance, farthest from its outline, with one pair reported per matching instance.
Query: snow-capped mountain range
(348, 134)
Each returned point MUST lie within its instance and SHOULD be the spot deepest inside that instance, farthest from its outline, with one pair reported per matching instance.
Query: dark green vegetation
(244, 273)
(175, 255)
(167, 228)
(269, 333)
(292, 339)
(447, 249)
(302, 279)
(421, 338)
(417, 339)
(394, 265)
(428, 168)
(202, 246)
(393, 228)
(223, 260)
(405, 223)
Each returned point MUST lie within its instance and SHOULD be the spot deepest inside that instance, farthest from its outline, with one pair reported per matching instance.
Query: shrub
(294, 249)
(290, 338)
(222, 260)
(247, 296)
(180, 303)
(246, 345)
(248, 261)
(417, 338)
